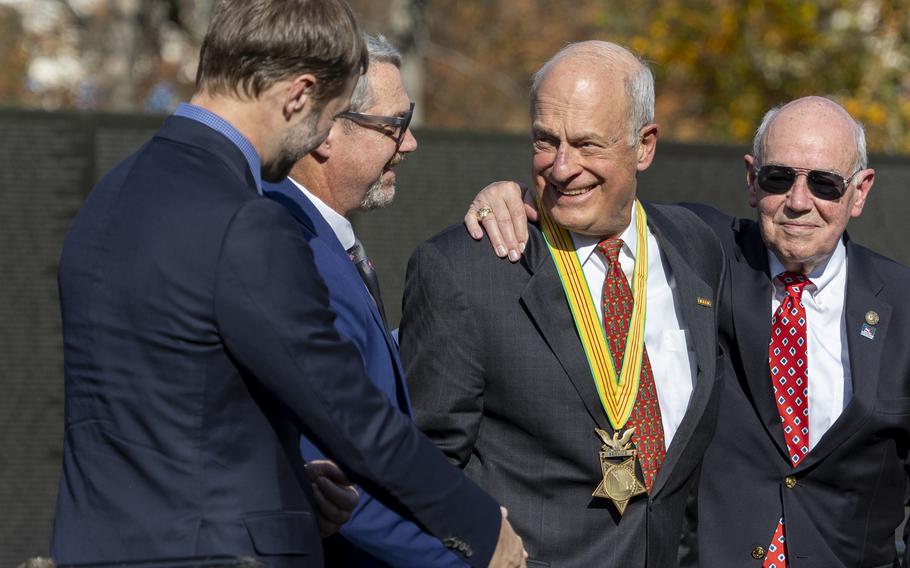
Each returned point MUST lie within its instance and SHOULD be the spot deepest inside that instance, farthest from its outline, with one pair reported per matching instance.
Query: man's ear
(324, 150)
(298, 96)
(749, 161)
(647, 146)
(863, 181)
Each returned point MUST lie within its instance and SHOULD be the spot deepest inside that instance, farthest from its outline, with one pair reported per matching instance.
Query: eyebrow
(582, 136)
(538, 129)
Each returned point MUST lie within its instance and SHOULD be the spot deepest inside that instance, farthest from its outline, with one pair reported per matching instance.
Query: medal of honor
(616, 388)
(620, 482)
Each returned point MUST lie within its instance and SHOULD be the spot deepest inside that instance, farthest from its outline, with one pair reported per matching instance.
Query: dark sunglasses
(399, 123)
(824, 185)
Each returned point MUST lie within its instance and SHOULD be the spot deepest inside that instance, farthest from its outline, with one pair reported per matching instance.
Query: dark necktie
(645, 417)
(358, 256)
(789, 363)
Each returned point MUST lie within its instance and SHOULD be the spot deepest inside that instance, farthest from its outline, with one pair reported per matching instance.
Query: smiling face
(584, 167)
(801, 229)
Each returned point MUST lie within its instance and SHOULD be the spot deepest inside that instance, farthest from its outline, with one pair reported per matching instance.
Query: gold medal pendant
(620, 482)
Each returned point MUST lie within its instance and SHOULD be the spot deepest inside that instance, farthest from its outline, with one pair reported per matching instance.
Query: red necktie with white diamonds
(788, 361)
(645, 417)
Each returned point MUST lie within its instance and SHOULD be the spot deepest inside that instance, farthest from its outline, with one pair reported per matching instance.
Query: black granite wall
(48, 162)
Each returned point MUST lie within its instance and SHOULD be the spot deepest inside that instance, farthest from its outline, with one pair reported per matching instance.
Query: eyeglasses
(400, 123)
(824, 185)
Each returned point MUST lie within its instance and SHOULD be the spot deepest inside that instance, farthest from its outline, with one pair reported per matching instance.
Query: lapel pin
(872, 317)
(867, 330)
(707, 303)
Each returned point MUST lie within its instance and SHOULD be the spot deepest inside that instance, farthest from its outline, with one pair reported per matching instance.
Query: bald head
(594, 62)
(591, 107)
(813, 117)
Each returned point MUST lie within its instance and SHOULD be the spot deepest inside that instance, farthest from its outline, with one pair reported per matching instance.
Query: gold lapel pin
(707, 303)
(872, 317)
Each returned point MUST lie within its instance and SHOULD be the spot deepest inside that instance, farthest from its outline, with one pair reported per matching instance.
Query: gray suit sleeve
(441, 351)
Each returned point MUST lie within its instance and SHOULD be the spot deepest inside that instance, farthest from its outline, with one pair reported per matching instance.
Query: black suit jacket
(198, 345)
(499, 380)
(850, 490)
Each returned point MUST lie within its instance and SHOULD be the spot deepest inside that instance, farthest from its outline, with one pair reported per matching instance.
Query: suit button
(758, 552)
(790, 482)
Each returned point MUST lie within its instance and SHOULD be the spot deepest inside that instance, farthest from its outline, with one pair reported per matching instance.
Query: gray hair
(860, 160)
(639, 83)
(380, 51)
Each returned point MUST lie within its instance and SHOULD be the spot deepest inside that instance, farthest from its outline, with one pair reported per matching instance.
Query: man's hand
(509, 551)
(504, 217)
(336, 497)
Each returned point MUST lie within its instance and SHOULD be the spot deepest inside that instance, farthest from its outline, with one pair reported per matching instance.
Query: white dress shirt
(338, 222)
(668, 344)
(830, 381)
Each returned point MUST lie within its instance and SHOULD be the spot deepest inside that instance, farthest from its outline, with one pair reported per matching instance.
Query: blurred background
(719, 63)
(85, 82)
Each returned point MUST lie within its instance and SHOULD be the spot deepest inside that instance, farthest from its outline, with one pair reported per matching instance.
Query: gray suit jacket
(500, 382)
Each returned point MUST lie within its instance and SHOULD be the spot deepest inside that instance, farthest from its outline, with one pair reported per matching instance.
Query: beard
(382, 192)
(295, 144)
(378, 195)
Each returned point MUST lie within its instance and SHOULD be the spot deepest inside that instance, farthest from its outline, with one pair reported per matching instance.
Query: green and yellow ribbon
(617, 391)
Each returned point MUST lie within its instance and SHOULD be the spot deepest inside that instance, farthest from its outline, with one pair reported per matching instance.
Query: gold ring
(483, 212)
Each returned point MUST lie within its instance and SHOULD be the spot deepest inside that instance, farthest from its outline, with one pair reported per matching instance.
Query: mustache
(396, 159)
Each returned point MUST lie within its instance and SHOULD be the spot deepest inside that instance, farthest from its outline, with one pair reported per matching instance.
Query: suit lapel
(298, 205)
(312, 221)
(751, 292)
(544, 292)
(863, 288)
(701, 323)
(545, 300)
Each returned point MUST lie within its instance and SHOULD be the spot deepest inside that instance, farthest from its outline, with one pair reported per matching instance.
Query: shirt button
(790, 482)
(758, 552)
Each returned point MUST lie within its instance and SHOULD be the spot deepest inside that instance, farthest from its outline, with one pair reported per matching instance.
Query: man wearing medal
(809, 463)
(578, 384)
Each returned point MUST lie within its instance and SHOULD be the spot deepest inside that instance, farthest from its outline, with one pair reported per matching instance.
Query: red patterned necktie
(788, 361)
(645, 417)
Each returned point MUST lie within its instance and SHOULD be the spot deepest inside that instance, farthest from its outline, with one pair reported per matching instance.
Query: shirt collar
(585, 245)
(215, 122)
(821, 276)
(342, 228)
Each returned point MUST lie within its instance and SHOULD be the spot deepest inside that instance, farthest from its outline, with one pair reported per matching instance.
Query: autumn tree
(718, 63)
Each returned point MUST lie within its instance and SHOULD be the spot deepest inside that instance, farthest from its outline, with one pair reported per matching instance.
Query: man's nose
(566, 165)
(800, 197)
(408, 143)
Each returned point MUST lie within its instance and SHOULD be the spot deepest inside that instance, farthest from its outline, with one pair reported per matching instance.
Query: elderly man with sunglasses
(352, 170)
(808, 467)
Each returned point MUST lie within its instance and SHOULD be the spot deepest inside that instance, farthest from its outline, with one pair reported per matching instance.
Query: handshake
(336, 498)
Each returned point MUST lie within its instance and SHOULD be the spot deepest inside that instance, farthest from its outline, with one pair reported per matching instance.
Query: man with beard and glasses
(809, 464)
(198, 340)
(351, 171)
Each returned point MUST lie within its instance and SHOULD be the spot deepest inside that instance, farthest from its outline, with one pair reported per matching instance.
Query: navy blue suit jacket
(843, 502)
(375, 531)
(198, 346)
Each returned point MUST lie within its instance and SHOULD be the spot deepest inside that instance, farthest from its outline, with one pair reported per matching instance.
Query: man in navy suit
(198, 340)
(351, 171)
